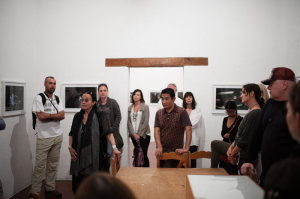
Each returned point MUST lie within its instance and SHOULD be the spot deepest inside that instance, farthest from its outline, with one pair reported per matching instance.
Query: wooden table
(161, 182)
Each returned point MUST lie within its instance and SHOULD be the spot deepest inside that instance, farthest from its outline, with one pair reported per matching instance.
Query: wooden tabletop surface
(161, 182)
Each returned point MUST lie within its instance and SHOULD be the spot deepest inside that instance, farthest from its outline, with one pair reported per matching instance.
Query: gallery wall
(70, 40)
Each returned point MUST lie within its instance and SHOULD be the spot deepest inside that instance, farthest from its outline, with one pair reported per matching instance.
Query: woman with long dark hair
(189, 103)
(236, 152)
(138, 123)
(88, 141)
(229, 130)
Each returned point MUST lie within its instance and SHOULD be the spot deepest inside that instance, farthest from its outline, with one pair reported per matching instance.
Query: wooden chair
(174, 156)
(197, 155)
(114, 166)
(252, 175)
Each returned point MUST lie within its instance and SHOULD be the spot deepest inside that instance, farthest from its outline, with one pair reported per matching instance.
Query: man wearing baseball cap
(272, 135)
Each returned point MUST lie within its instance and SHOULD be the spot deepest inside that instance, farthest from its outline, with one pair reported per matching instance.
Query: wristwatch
(114, 146)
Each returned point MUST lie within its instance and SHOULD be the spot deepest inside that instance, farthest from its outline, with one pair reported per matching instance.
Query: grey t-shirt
(245, 131)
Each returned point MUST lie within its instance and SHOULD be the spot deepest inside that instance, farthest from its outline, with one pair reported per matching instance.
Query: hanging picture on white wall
(13, 98)
(154, 97)
(298, 79)
(223, 94)
(71, 95)
(180, 94)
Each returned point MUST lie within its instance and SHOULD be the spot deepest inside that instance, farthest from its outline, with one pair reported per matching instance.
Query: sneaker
(53, 194)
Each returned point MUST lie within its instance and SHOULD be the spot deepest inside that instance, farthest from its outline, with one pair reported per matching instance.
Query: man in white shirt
(49, 111)
(178, 101)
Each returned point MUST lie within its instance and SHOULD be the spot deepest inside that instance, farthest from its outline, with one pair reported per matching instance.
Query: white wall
(70, 40)
(18, 56)
(154, 79)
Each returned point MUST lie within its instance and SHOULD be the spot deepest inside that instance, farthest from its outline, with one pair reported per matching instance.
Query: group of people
(91, 132)
(177, 128)
(270, 128)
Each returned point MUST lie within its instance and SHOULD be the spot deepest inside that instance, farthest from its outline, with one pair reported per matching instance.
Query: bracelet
(114, 146)
(69, 147)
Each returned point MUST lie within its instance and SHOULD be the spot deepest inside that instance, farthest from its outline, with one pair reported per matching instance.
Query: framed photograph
(154, 97)
(297, 79)
(13, 98)
(180, 94)
(130, 94)
(71, 95)
(223, 94)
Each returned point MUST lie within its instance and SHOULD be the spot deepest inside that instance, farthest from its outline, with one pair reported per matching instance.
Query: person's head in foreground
(103, 186)
(293, 114)
(283, 180)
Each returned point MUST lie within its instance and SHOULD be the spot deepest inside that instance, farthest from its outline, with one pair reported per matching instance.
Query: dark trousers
(144, 143)
(76, 181)
(193, 162)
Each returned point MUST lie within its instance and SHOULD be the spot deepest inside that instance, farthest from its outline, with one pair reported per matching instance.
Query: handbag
(138, 156)
(118, 139)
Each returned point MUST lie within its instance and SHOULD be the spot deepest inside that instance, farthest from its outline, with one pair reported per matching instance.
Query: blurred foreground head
(104, 186)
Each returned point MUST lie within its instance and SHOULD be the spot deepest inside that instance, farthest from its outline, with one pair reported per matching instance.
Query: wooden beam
(157, 62)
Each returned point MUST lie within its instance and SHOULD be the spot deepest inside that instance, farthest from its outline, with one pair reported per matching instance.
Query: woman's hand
(117, 154)
(226, 135)
(229, 152)
(136, 137)
(73, 154)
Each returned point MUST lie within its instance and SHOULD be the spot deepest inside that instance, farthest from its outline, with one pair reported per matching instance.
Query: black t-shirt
(233, 132)
(272, 138)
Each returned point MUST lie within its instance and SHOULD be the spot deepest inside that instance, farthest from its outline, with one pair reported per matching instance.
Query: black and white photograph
(223, 94)
(71, 95)
(154, 96)
(180, 94)
(298, 79)
(13, 98)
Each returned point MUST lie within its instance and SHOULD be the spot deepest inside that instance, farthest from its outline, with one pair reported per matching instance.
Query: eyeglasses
(84, 100)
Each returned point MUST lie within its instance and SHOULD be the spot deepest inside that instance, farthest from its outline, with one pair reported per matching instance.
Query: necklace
(85, 116)
(134, 116)
(253, 106)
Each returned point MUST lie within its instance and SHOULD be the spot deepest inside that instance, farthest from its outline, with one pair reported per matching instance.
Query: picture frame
(154, 97)
(224, 93)
(297, 79)
(71, 95)
(180, 94)
(13, 98)
(130, 94)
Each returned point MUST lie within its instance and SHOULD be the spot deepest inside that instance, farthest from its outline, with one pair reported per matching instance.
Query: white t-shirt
(178, 102)
(136, 122)
(47, 129)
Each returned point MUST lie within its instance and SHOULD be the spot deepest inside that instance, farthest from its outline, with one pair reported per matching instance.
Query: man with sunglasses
(272, 136)
(170, 123)
(49, 111)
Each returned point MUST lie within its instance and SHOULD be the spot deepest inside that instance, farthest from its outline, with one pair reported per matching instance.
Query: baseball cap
(280, 73)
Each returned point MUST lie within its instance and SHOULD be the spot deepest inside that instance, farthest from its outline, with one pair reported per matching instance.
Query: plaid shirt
(172, 127)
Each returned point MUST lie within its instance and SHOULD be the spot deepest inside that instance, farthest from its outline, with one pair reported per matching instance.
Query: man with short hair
(177, 101)
(272, 136)
(170, 123)
(49, 111)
